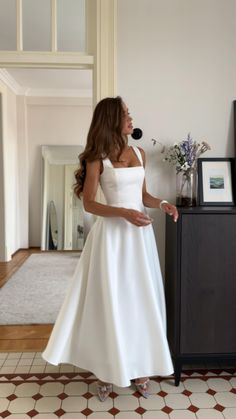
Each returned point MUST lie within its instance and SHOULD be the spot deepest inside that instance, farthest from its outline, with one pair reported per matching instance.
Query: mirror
(62, 211)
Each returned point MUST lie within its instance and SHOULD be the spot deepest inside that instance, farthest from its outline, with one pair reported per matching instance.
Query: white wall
(51, 122)
(9, 180)
(23, 167)
(2, 211)
(176, 72)
(14, 176)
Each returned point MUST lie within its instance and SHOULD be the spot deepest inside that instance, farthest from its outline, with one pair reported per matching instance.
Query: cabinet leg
(178, 369)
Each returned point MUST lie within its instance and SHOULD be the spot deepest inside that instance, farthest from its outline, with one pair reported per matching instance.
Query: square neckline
(138, 155)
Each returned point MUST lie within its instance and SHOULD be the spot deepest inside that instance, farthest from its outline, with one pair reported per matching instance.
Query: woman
(112, 322)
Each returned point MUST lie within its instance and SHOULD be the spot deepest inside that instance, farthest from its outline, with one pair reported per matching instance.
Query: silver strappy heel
(142, 388)
(103, 391)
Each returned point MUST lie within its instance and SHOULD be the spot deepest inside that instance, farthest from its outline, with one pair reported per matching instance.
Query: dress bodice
(123, 186)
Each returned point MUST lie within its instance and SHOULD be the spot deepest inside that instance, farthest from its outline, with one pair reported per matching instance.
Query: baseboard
(25, 249)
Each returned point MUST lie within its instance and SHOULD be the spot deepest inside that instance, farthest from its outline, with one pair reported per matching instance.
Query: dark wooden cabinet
(200, 285)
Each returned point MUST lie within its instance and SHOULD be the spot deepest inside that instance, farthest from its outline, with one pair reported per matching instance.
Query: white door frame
(100, 57)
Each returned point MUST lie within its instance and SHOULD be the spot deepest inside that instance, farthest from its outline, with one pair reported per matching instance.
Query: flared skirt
(113, 319)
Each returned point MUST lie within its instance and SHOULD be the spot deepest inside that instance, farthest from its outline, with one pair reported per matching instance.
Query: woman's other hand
(170, 210)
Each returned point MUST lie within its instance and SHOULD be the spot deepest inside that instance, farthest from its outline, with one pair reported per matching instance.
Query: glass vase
(186, 188)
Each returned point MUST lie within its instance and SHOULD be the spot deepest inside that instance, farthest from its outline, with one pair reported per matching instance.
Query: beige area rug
(34, 294)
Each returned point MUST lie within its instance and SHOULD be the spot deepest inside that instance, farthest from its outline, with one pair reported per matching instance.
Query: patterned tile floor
(29, 387)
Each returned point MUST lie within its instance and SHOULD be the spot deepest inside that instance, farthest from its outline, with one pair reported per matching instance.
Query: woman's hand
(170, 210)
(137, 218)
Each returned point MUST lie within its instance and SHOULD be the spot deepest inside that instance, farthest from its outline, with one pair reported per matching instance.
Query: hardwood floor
(27, 338)
(18, 338)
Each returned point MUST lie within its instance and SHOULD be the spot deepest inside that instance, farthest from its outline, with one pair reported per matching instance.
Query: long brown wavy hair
(104, 138)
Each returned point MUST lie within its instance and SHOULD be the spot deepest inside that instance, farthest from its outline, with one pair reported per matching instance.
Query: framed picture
(215, 181)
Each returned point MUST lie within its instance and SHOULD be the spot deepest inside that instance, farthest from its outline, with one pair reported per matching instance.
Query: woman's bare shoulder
(94, 166)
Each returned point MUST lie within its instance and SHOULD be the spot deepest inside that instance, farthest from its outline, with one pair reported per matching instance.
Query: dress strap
(138, 153)
(107, 162)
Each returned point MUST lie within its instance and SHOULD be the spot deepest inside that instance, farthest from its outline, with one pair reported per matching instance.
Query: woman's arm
(93, 170)
(150, 201)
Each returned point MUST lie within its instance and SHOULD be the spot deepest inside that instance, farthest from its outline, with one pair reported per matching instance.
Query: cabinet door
(208, 284)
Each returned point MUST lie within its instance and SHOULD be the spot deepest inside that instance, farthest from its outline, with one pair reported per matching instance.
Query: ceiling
(64, 82)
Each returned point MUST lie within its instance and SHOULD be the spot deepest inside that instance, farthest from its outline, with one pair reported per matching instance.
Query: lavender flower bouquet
(183, 156)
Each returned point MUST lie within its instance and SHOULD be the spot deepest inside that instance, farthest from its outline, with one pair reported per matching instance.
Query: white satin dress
(113, 321)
